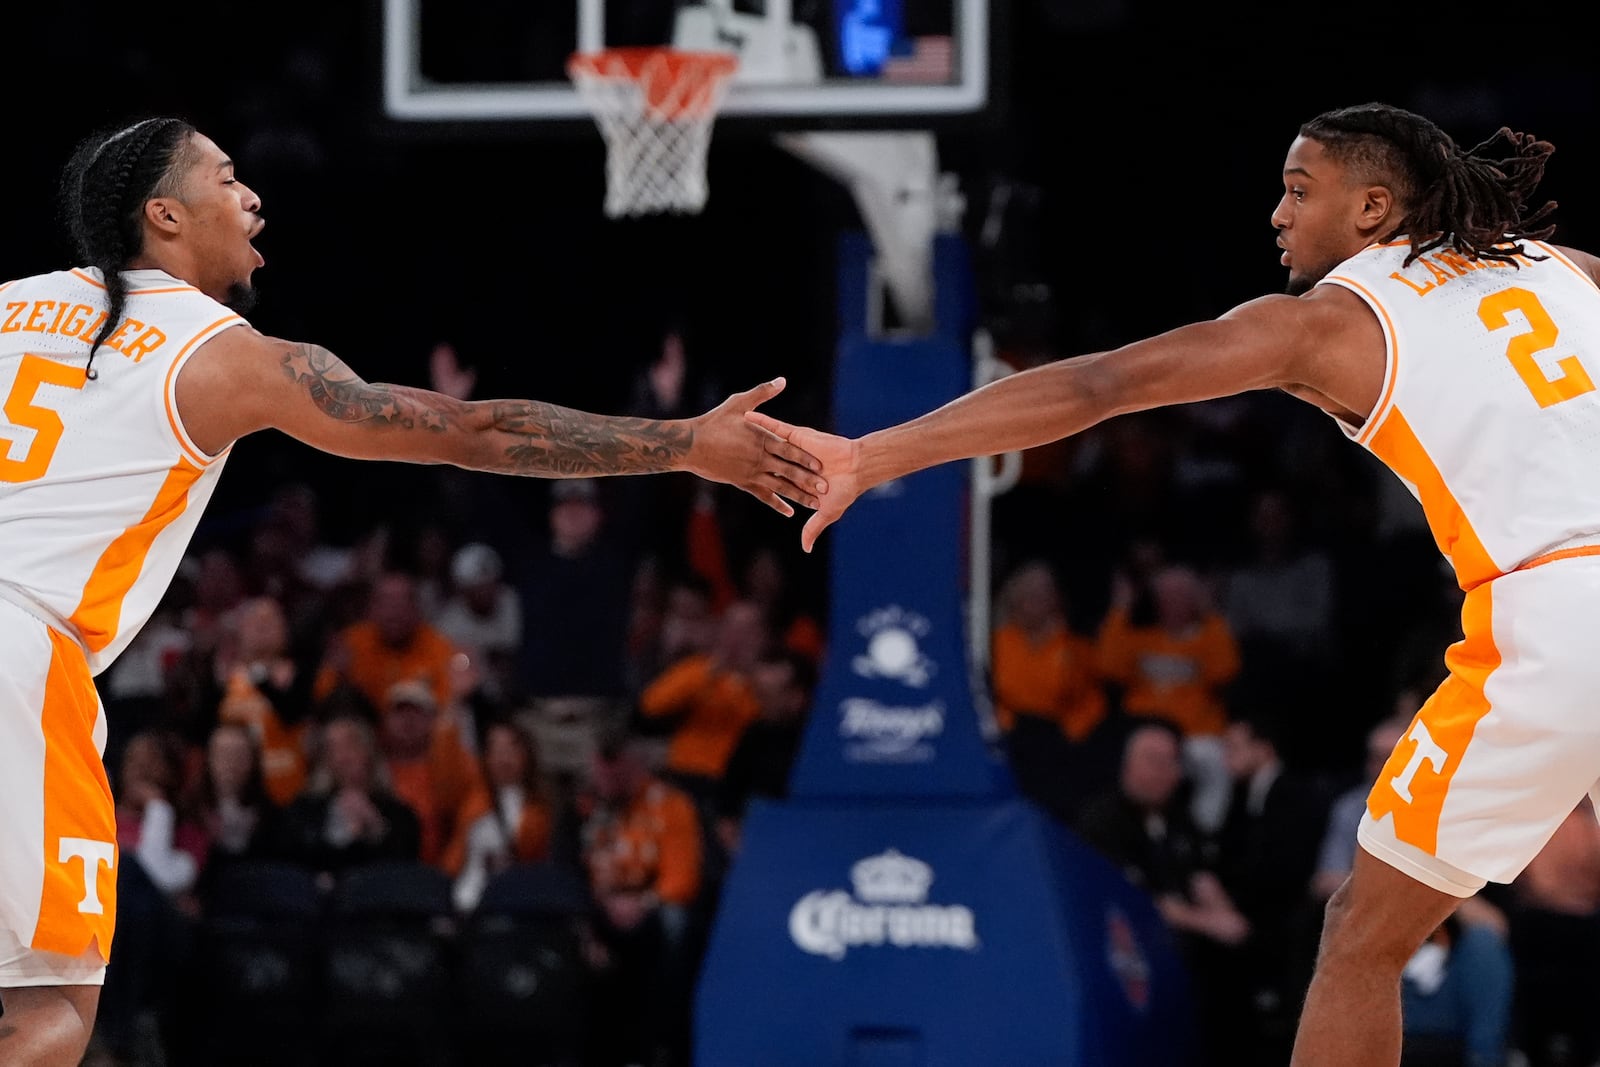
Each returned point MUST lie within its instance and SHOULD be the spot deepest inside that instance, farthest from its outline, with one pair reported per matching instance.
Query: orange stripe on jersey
(1376, 418)
(1396, 444)
(99, 611)
(1416, 780)
(92, 280)
(1555, 254)
(78, 900)
(1560, 553)
(167, 393)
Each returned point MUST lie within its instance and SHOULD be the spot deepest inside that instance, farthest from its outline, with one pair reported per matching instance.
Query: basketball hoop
(654, 107)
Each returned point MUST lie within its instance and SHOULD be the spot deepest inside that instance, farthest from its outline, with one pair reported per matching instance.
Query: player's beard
(241, 297)
(1298, 285)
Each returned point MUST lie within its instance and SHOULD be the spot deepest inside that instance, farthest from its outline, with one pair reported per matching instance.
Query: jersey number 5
(20, 410)
(1540, 335)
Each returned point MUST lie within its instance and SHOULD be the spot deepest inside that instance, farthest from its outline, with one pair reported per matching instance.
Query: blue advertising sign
(905, 907)
(894, 713)
(941, 936)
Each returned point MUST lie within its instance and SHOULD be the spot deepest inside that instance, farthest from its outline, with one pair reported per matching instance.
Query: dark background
(1141, 144)
(1138, 146)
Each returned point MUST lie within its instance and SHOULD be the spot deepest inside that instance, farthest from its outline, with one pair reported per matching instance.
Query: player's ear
(162, 212)
(1378, 208)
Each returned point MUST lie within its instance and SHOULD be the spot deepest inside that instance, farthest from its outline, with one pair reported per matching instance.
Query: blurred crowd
(1209, 631)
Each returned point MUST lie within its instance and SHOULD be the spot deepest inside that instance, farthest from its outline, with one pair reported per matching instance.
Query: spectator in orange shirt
(264, 690)
(1048, 699)
(641, 843)
(506, 820)
(1040, 667)
(711, 698)
(1174, 665)
(429, 767)
(392, 644)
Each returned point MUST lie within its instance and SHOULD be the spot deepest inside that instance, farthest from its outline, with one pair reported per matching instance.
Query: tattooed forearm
(548, 439)
(341, 394)
(507, 436)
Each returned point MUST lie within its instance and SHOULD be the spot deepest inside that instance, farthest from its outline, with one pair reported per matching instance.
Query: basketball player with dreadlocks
(1429, 315)
(123, 384)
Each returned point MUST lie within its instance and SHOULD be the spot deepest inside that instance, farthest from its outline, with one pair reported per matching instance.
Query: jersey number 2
(1540, 335)
(20, 410)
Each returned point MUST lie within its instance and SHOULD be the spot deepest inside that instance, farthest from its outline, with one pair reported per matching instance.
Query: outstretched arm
(242, 381)
(1585, 262)
(1267, 343)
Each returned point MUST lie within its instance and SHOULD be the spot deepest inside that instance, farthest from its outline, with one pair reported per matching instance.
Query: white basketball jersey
(1489, 413)
(100, 487)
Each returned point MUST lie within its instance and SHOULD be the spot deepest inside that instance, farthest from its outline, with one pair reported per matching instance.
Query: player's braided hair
(104, 188)
(1470, 200)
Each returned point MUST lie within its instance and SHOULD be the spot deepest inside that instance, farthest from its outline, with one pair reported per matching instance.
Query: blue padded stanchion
(905, 906)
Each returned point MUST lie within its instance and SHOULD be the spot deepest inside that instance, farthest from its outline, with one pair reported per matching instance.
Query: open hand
(729, 449)
(839, 457)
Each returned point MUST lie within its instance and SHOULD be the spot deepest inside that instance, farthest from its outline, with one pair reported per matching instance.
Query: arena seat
(257, 967)
(522, 985)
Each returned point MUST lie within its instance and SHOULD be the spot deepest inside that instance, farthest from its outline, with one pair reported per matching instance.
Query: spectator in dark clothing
(1144, 826)
(783, 681)
(1555, 939)
(576, 596)
(347, 816)
(682, 623)
(654, 512)
(1267, 855)
(1141, 824)
(230, 801)
(162, 852)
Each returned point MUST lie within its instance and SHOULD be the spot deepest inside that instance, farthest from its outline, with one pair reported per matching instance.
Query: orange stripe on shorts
(78, 901)
(1424, 762)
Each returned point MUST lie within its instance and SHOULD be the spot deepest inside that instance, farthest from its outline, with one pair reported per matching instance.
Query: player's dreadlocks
(1470, 200)
(104, 188)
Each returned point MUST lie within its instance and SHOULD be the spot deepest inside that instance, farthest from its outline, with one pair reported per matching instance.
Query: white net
(655, 109)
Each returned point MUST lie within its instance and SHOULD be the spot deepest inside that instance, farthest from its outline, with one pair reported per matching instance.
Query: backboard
(880, 61)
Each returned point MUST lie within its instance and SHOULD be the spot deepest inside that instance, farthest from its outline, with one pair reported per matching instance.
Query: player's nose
(1280, 213)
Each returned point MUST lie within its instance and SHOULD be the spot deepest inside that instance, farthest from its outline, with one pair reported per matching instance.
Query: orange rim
(677, 84)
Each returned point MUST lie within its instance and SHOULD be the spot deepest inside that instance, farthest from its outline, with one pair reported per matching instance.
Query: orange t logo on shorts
(1427, 751)
(78, 897)
(94, 855)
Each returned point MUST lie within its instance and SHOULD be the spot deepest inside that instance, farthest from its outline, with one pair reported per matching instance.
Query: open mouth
(255, 232)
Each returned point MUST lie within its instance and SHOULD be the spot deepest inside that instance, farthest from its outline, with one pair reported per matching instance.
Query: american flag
(931, 61)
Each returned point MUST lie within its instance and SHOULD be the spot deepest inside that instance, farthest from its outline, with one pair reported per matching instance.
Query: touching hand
(839, 457)
(731, 450)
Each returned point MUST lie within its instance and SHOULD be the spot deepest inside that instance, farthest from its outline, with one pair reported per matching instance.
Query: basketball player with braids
(123, 384)
(1430, 316)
